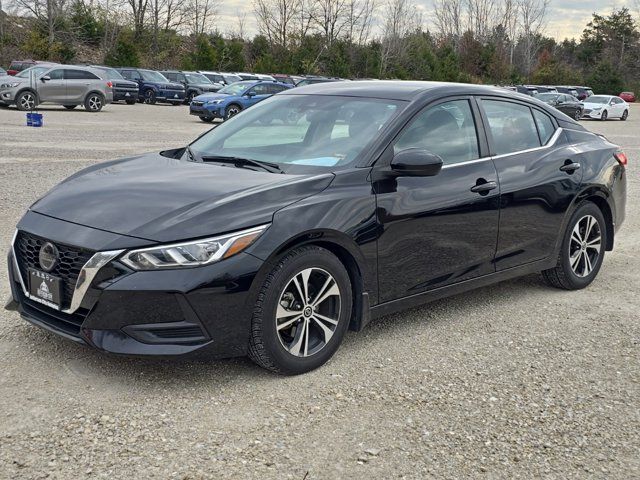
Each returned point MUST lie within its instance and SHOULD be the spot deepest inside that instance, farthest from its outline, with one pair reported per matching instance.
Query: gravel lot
(511, 381)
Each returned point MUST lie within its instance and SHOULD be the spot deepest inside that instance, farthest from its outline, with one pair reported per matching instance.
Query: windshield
(231, 78)
(547, 97)
(301, 131)
(112, 74)
(151, 76)
(33, 71)
(196, 78)
(235, 88)
(597, 99)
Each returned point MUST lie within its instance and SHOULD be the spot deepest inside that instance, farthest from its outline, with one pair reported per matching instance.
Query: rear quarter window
(512, 126)
(545, 126)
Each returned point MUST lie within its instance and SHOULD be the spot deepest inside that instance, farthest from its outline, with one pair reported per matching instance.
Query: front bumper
(204, 310)
(208, 111)
(125, 94)
(171, 96)
(595, 114)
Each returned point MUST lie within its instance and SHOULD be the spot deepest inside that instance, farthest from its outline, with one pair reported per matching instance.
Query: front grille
(175, 88)
(587, 110)
(70, 262)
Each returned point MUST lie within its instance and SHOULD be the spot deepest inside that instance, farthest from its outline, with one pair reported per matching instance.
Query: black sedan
(567, 104)
(313, 212)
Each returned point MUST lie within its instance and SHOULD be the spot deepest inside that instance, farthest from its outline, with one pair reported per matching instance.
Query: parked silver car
(62, 84)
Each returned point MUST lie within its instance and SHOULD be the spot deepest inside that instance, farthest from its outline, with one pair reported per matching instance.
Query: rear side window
(511, 125)
(79, 75)
(171, 76)
(545, 126)
(447, 129)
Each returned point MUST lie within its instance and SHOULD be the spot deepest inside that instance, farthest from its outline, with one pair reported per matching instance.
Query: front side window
(512, 126)
(301, 132)
(235, 88)
(260, 89)
(151, 76)
(447, 129)
(56, 74)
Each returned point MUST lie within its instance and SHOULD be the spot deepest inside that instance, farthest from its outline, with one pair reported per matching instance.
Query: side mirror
(45, 78)
(250, 94)
(416, 162)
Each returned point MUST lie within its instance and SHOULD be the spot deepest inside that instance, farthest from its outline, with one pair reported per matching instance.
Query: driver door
(54, 89)
(255, 94)
(442, 229)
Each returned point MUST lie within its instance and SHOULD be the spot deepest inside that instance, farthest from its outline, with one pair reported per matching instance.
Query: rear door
(79, 83)
(54, 89)
(539, 175)
(443, 229)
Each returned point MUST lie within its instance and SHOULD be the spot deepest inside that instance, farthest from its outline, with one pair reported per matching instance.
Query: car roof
(393, 89)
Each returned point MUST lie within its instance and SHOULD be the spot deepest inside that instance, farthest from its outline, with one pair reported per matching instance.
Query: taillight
(621, 157)
(109, 84)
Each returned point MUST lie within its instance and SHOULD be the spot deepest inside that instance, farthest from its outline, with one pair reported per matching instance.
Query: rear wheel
(94, 102)
(582, 250)
(26, 101)
(625, 115)
(302, 313)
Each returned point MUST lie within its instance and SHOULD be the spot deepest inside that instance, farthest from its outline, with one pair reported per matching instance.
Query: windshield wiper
(243, 162)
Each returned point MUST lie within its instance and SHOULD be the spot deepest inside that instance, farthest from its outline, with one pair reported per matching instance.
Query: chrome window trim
(552, 141)
(86, 276)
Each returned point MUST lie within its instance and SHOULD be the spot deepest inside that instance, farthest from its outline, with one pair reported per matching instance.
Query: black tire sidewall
(320, 258)
(575, 281)
(226, 112)
(604, 116)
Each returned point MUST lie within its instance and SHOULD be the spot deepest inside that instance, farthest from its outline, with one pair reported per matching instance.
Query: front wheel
(578, 114)
(582, 250)
(150, 97)
(207, 119)
(302, 312)
(604, 116)
(26, 101)
(232, 111)
(94, 102)
(625, 115)
(130, 102)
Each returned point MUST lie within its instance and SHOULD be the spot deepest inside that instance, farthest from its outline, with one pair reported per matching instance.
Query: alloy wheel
(585, 245)
(95, 103)
(308, 312)
(232, 111)
(149, 97)
(578, 114)
(28, 101)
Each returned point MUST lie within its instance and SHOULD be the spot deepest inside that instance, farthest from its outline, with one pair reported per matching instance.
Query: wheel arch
(348, 254)
(26, 89)
(599, 196)
(91, 92)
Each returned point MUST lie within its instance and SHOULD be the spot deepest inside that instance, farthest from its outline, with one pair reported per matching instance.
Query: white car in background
(603, 107)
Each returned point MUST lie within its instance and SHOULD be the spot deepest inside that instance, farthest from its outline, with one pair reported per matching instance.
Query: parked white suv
(62, 84)
(603, 107)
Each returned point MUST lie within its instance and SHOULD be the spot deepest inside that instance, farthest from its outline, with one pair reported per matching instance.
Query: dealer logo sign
(48, 256)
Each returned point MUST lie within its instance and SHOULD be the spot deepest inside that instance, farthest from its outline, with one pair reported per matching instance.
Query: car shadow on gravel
(91, 366)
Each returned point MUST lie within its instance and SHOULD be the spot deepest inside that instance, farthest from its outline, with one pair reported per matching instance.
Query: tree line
(481, 41)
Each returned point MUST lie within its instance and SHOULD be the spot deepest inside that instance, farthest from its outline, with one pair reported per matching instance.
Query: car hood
(206, 86)
(124, 83)
(164, 199)
(594, 105)
(205, 97)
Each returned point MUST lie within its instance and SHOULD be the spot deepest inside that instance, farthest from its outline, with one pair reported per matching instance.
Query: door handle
(569, 167)
(483, 187)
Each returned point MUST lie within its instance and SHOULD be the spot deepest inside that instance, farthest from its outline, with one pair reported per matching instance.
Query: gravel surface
(516, 380)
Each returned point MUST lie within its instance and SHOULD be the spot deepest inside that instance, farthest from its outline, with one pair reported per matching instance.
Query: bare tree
(202, 15)
(533, 20)
(48, 12)
(449, 18)
(510, 13)
(331, 18)
(402, 18)
(277, 18)
(360, 18)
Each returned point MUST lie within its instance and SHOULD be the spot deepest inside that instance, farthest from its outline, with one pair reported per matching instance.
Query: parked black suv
(123, 90)
(153, 86)
(194, 83)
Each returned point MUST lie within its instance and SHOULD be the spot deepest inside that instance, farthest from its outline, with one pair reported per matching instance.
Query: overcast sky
(567, 18)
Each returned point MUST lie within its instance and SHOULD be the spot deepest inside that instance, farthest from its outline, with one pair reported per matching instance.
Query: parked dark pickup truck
(123, 90)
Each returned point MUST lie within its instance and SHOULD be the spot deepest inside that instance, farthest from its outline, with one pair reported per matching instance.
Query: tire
(604, 116)
(624, 116)
(130, 102)
(585, 254)
(304, 341)
(70, 107)
(150, 97)
(26, 101)
(578, 114)
(232, 110)
(207, 119)
(190, 97)
(94, 102)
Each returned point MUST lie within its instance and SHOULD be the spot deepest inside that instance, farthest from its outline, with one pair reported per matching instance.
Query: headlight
(214, 102)
(194, 253)
(9, 85)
